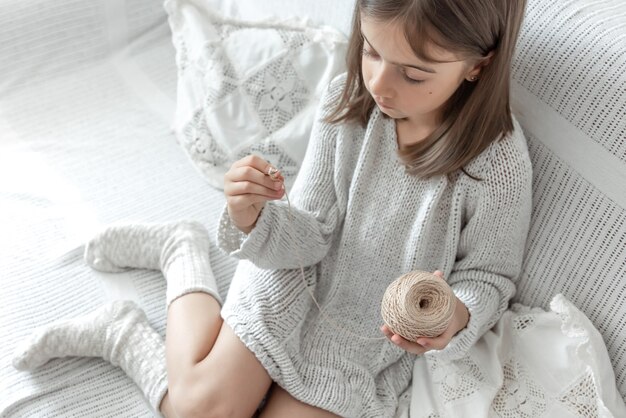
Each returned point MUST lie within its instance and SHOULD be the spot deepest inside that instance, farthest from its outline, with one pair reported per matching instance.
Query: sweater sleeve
(281, 240)
(492, 241)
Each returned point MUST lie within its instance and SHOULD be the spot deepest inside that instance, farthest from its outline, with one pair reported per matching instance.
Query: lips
(383, 105)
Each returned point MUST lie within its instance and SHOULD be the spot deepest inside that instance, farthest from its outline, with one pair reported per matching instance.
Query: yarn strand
(328, 319)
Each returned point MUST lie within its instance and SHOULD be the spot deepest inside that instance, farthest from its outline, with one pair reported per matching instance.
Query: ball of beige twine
(418, 304)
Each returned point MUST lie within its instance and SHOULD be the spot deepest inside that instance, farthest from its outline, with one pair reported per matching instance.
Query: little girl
(415, 163)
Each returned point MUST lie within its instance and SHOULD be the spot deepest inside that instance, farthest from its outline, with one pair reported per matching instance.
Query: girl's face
(403, 86)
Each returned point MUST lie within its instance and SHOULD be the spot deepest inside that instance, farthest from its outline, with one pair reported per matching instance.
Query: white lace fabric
(533, 363)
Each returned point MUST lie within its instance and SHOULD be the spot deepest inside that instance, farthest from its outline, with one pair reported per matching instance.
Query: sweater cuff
(237, 243)
(482, 310)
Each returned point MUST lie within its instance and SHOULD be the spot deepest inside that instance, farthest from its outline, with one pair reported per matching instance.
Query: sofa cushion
(248, 87)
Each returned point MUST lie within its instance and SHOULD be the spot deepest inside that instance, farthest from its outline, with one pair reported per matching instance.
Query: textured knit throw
(418, 304)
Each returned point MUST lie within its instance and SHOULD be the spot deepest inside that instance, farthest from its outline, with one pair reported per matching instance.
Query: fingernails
(272, 171)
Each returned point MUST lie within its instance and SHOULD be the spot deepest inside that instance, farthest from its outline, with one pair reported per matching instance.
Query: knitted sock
(180, 250)
(121, 246)
(118, 332)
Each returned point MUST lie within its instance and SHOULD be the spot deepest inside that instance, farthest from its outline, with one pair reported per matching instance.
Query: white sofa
(87, 96)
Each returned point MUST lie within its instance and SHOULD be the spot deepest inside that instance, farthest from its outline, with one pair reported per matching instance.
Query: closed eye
(369, 54)
(375, 57)
(411, 80)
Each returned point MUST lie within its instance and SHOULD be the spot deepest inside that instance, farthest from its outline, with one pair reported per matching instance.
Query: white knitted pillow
(248, 87)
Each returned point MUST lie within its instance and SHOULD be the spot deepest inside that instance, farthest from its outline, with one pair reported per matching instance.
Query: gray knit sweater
(360, 222)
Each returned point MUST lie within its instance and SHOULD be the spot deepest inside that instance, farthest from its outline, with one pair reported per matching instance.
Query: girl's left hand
(424, 344)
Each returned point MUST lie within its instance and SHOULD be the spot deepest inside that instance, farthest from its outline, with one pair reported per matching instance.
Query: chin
(392, 113)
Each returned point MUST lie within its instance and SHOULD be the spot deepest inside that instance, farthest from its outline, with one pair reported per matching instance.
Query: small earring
(473, 78)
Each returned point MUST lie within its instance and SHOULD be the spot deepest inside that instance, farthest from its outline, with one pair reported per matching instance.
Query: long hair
(478, 113)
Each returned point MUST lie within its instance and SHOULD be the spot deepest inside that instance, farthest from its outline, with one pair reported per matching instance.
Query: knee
(200, 399)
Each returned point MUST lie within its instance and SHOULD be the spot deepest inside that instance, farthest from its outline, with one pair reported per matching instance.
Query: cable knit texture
(360, 221)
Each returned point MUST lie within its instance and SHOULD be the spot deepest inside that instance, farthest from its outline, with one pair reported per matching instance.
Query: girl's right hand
(247, 186)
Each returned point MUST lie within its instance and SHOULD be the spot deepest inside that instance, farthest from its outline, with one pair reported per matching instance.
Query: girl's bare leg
(281, 404)
(210, 371)
(166, 407)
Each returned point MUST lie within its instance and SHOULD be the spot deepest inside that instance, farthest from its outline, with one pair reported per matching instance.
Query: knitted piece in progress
(179, 249)
(118, 332)
(418, 304)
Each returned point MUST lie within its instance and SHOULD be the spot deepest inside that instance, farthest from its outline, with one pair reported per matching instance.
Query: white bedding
(80, 148)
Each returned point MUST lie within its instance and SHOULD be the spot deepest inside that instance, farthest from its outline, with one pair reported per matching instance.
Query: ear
(474, 72)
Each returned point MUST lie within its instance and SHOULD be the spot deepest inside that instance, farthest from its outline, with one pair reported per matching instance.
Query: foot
(122, 246)
(82, 336)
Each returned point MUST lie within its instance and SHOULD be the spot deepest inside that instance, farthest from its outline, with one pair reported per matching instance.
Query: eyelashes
(373, 56)
(366, 53)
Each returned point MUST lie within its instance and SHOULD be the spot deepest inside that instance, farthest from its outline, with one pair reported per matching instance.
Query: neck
(412, 131)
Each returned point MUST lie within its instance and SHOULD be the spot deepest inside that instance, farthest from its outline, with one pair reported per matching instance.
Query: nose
(381, 82)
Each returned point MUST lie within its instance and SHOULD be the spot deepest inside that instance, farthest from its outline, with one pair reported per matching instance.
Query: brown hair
(478, 113)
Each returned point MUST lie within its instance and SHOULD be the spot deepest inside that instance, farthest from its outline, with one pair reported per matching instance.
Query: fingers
(438, 273)
(249, 176)
(385, 330)
(274, 190)
(248, 184)
(275, 174)
(246, 200)
(253, 161)
(422, 345)
(411, 347)
(260, 165)
(434, 343)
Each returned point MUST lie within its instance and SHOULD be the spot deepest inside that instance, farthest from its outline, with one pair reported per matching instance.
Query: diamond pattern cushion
(248, 87)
